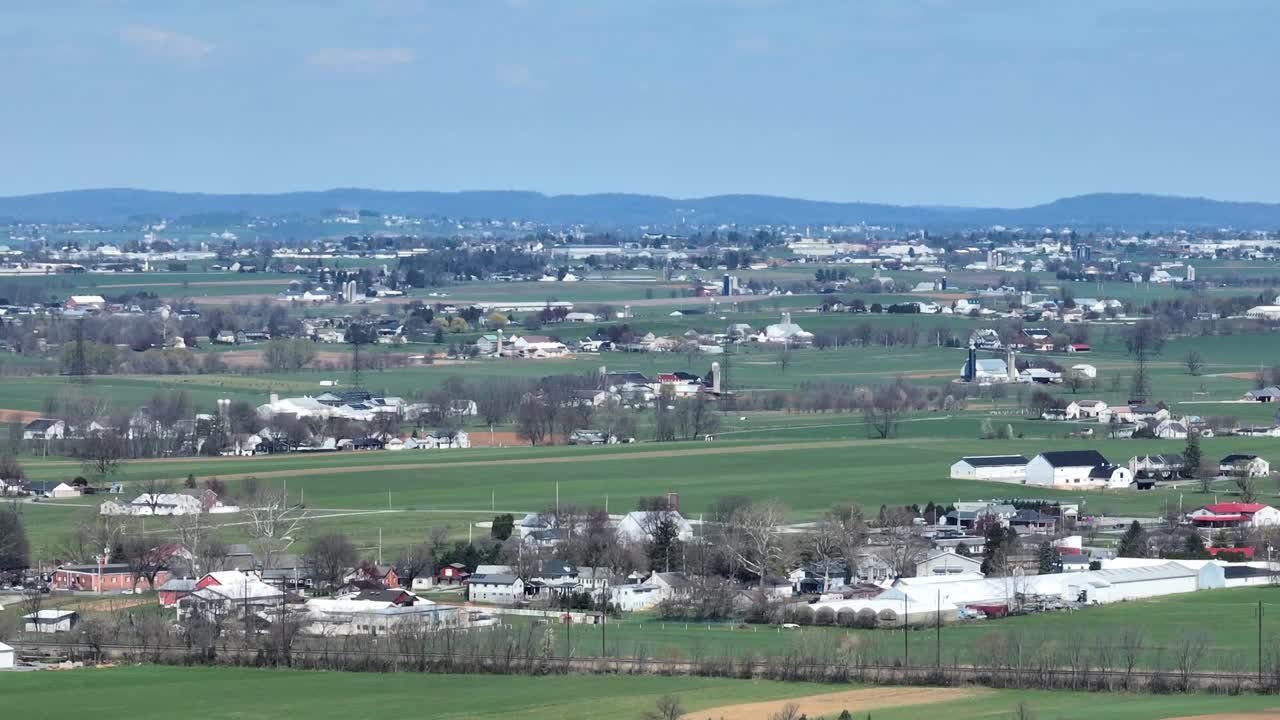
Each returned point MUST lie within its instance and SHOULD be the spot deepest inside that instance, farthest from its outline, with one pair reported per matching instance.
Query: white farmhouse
(638, 526)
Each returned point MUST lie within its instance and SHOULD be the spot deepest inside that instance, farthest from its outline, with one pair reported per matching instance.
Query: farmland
(218, 694)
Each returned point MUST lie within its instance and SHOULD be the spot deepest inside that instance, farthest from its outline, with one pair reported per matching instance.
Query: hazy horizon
(984, 103)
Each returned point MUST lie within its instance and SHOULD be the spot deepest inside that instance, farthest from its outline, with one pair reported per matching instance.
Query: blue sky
(956, 102)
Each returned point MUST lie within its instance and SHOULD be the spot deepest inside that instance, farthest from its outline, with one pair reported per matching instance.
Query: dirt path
(856, 702)
(1259, 715)
(18, 416)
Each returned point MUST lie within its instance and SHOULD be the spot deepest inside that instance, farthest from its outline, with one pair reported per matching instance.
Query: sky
(935, 102)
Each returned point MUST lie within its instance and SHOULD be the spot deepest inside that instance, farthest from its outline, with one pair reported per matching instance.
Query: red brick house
(111, 577)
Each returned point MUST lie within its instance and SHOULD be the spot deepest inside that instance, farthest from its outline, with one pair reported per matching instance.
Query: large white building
(1076, 469)
(786, 333)
(999, 468)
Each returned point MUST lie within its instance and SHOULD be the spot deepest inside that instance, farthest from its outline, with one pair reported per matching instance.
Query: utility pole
(1259, 642)
(938, 660)
(906, 638)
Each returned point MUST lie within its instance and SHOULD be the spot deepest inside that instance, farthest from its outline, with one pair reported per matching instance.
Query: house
(1241, 465)
(224, 337)
(50, 621)
(447, 439)
(947, 562)
(638, 526)
(44, 429)
(1084, 370)
(580, 317)
(240, 595)
(785, 333)
(109, 577)
(1028, 521)
(498, 588)
(971, 515)
(174, 589)
(1235, 515)
(1270, 393)
(1001, 468)
(85, 302)
(7, 657)
(1163, 467)
(538, 346)
(62, 491)
(453, 574)
(1086, 408)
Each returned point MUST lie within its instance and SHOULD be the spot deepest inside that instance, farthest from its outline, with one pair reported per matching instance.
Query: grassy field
(1231, 641)
(223, 694)
(811, 469)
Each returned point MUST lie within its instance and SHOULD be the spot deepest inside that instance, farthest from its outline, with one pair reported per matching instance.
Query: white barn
(1076, 469)
(1001, 468)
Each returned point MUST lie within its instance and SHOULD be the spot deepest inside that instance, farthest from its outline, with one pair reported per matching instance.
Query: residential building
(947, 562)
(1242, 465)
(638, 526)
(1235, 515)
(44, 429)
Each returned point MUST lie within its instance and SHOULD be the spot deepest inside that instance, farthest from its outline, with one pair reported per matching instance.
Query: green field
(810, 468)
(1231, 636)
(146, 693)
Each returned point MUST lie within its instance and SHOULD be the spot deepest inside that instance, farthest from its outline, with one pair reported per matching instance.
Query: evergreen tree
(502, 526)
(1191, 455)
(664, 545)
(1194, 548)
(13, 542)
(1134, 542)
(994, 556)
(1048, 559)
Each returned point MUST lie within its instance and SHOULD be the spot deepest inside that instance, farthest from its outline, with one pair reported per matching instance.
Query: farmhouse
(1270, 393)
(1001, 468)
(947, 562)
(44, 429)
(498, 588)
(1241, 465)
(1076, 469)
(638, 526)
(1235, 515)
(1163, 467)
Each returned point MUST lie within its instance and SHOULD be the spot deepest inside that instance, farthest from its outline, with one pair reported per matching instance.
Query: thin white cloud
(166, 44)
(360, 58)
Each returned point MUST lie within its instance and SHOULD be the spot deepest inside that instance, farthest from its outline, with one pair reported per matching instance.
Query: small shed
(50, 621)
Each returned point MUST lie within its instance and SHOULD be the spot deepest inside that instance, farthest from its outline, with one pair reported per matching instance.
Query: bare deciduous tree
(752, 532)
(667, 707)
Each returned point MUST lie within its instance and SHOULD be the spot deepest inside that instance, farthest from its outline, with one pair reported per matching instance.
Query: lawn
(244, 694)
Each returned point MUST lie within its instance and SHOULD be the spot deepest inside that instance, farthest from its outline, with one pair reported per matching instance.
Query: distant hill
(1121, 210)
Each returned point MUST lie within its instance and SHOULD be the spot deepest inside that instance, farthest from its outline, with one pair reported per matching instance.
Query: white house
(7, 658)
(637, 526)
(947, 562)
(63, 490)
(1000, 468)
(1082, 469)
(498, 588)
(1084, 370)
(1239, 464)
(44, 429)
(1077, 409)
(580, 317)
(786, 333)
